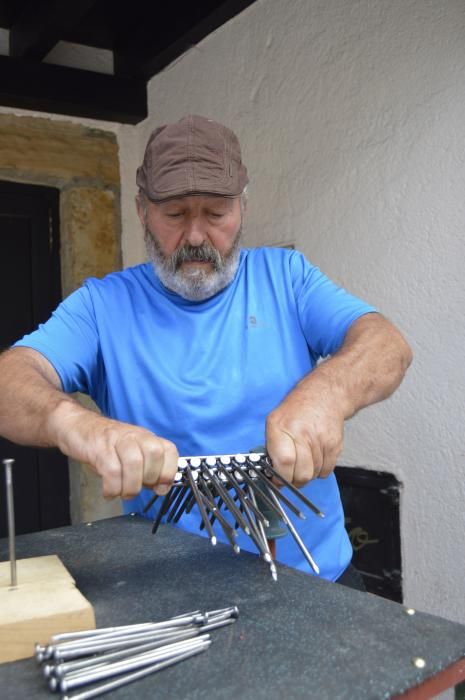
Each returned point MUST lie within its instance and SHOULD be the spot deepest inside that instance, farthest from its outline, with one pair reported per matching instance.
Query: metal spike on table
(244, 485)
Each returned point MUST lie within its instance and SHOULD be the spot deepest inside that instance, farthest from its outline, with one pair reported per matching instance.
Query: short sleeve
(325, 310)
(69, 341)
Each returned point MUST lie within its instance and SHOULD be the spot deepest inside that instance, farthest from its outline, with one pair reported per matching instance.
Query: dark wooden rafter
(41, 25)
(145, 57)
(60, 90)
(144, 37)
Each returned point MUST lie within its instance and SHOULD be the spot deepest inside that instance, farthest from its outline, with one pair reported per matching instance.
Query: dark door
(29, 291)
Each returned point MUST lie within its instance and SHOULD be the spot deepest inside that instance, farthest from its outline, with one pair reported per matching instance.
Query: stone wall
(83, 164)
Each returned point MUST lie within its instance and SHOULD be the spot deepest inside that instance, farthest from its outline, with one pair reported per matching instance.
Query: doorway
(30, 289)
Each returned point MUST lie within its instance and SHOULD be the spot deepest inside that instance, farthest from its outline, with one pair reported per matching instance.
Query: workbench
(298, 638)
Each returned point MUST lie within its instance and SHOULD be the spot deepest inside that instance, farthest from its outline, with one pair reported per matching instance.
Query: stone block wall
(83, 164)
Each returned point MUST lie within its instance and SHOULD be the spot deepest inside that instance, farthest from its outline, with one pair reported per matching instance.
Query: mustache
(201, 253)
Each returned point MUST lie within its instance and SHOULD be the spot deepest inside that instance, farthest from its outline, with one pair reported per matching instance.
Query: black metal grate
(371, 507)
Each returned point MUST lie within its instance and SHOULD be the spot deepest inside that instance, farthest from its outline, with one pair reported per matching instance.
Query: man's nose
(195, 231)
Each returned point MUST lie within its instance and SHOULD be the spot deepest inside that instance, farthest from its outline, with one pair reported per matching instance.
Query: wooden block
(45, 602)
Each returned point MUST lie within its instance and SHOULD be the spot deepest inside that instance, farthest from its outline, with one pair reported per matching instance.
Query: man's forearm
(34, 411)
(30, 396)
(368, 367)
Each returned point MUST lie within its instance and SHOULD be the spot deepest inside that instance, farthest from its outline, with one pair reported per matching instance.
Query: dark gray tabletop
(298, 638)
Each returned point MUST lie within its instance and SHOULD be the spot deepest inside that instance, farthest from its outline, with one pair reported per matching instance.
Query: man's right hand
(125, 456)
(35, 411)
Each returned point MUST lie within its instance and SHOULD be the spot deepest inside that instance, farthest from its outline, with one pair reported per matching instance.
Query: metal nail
(177, 502)
(255, 533)
(83, 634)
(74, 649)
(8, 464)
(267, 465)
(278, 493)
(222, 491)
(273, 570)
(203, 513)
(163, 509)
(61, 669)
(296, 535)
(248, 505)
(251, 482)
(227, 529)
(162, 654)
(173, 634)
(130, 677)
(150, 503)
(183, 506)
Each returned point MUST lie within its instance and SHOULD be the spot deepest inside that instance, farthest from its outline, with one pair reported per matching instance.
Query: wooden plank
(45, 602)
(61, 90)
(448, 678)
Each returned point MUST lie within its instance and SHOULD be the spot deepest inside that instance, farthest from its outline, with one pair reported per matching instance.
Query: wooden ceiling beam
(59, 90)
(41, 25)
(143, 56)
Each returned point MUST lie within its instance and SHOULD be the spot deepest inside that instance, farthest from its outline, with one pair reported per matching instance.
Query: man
(206, 349)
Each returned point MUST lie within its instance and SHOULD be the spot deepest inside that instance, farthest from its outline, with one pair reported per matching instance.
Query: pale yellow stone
(54, 152)
(83, 164)
(88, 241)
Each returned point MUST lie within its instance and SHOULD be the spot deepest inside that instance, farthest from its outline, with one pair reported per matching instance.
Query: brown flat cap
(193, 156)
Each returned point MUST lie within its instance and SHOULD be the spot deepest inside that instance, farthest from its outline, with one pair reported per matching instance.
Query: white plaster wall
(352, 119)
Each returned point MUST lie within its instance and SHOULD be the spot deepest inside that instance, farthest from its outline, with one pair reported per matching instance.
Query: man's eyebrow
(219, 200)
(210, 200)
(170, 202)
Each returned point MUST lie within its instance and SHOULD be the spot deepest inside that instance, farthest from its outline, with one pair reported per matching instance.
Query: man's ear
(141, 211)
(243, 203)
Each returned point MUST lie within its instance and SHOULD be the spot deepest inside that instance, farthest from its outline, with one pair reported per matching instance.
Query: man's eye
(216, 214)
(174, 215)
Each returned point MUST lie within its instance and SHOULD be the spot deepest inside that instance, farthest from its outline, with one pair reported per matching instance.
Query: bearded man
(205, 349)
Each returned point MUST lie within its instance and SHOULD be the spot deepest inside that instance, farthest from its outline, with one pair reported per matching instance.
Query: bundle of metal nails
(130, 652)
(244, 485)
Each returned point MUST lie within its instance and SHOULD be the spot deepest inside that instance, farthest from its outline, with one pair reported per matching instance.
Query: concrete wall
(352, 120)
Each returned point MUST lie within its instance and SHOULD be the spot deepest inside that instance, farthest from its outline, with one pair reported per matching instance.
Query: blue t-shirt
(206, 374)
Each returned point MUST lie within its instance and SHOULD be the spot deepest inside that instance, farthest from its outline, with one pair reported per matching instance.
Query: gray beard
(196, 285)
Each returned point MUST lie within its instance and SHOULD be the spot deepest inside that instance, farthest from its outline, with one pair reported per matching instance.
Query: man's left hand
(304, 436)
